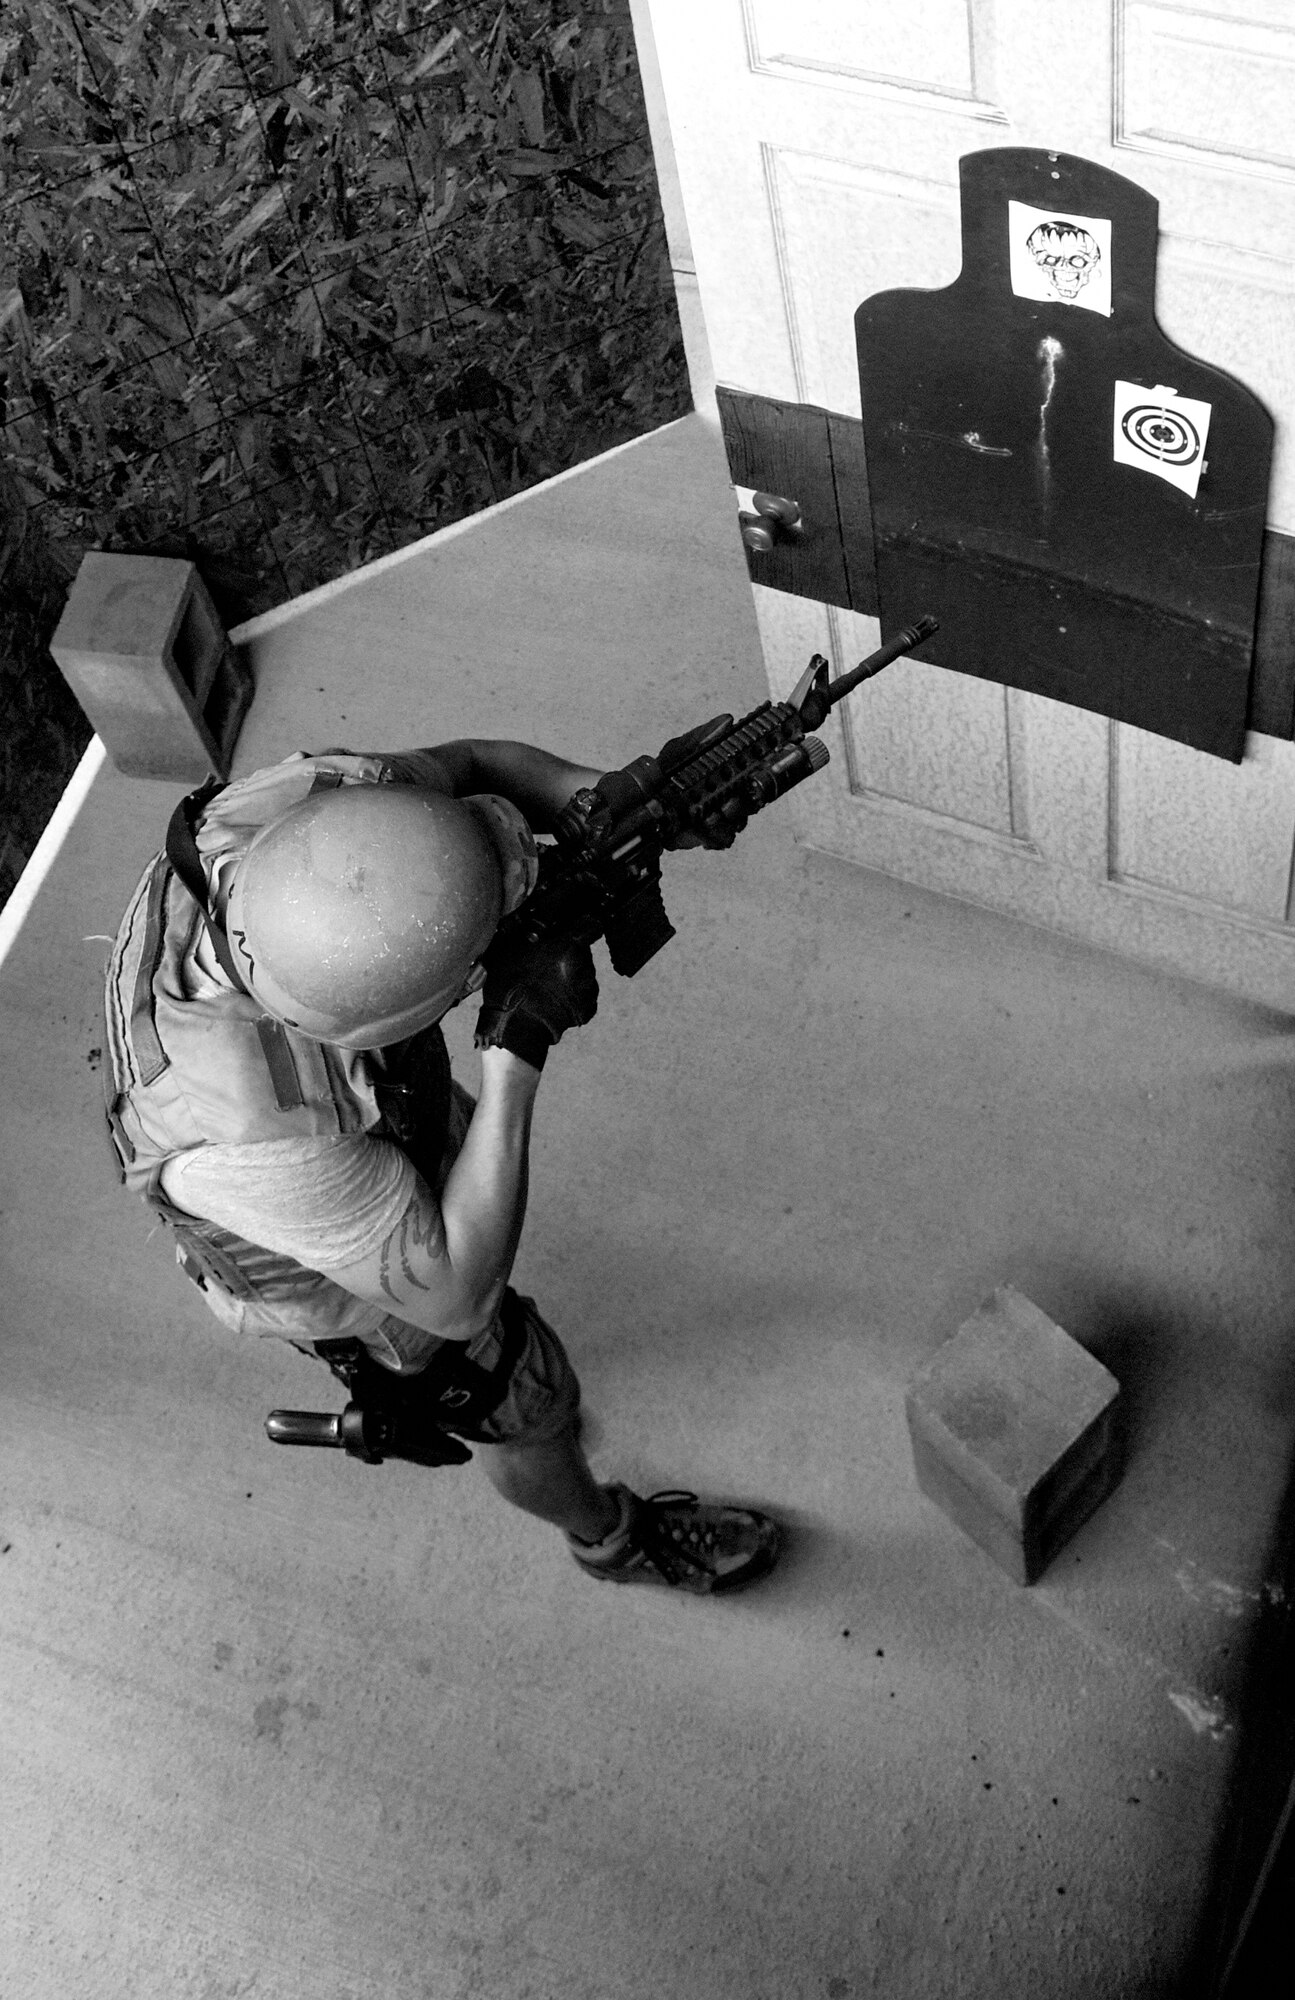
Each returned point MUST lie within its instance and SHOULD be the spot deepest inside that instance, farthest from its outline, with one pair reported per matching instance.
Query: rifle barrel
(903, 642)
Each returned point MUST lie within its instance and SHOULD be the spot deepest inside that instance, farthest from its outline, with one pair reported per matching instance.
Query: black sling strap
(182, 853)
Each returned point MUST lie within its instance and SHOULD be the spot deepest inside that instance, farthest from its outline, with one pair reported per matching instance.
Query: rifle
(601, 875)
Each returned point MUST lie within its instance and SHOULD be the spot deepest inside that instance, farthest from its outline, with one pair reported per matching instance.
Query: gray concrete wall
(278, 1724)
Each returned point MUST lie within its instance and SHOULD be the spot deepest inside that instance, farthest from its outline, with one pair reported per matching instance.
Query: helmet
(360, 914)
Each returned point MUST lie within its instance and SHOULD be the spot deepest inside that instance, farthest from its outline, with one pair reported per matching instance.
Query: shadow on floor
(1243, 1947)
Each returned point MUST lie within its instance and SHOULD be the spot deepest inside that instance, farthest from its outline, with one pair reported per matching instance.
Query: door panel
(1202, 829)
(1236, 307)
(816, 146)
(1208, 85)
(841, 229)
(924, 46)
(963, 721)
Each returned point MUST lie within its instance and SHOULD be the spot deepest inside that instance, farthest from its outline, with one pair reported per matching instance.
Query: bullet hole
(881, 1652)
(1056, 1802)
(988, 1785)
(1133, 1799)
(94, 1058)
(1060, 1891)
(268, 1717)
(974, 1758)
(247, 1496)
(5, 1548)
(845, 1632)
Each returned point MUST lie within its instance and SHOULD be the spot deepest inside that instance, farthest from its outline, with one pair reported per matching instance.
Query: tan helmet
(360, 914)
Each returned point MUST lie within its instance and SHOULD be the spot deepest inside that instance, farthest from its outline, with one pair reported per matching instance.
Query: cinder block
(144, 652)
(1015, 1432)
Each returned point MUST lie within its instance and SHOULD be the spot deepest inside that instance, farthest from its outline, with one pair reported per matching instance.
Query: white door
(809, 157)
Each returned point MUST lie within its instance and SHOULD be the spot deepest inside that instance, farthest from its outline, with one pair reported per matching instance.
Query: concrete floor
(279, 1725)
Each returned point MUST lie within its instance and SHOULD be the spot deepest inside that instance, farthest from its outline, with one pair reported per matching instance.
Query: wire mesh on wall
(285, 284)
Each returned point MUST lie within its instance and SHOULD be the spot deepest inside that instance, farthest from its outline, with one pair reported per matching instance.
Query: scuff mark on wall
(1211, 1590)
(1204, 1714)
(1233, 1599)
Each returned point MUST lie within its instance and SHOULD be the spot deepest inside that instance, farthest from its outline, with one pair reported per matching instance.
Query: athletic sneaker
(679, 1540)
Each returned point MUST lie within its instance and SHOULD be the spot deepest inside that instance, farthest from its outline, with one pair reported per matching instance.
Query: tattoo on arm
(416, 1229)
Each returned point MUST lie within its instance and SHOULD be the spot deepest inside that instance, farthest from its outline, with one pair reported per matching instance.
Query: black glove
(533, 994)
(713, 835)
(714, 832)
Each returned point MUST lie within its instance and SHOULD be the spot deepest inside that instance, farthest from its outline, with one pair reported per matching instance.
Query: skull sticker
(1059, 258)
(1068, 255)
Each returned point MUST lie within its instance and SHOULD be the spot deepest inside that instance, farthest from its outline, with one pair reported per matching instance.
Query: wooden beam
(817, 457)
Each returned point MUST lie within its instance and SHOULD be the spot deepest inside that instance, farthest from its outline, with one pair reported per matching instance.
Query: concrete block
(144, 652)
(1015, 1432)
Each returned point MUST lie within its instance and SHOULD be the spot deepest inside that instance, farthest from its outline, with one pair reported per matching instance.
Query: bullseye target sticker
(1161, 432)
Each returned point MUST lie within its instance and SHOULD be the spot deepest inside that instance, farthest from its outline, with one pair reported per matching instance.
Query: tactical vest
(185, 1069)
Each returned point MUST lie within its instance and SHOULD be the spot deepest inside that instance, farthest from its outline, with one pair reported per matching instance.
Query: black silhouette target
(1164, 434)
(1028, 468)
